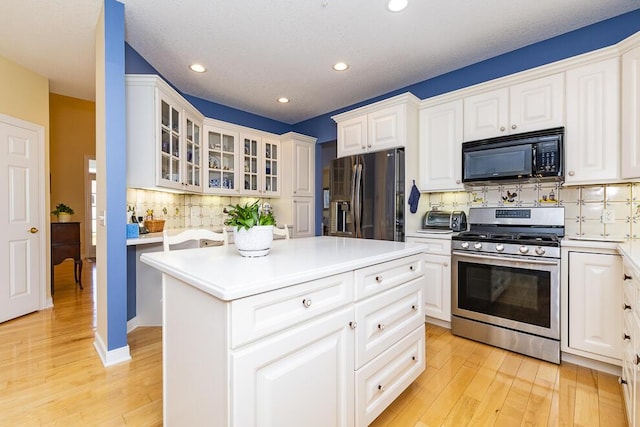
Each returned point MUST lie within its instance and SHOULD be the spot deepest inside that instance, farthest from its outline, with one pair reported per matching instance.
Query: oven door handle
(498, 258)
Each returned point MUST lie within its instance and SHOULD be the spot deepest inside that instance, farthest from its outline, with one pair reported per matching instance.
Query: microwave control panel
(547, 157)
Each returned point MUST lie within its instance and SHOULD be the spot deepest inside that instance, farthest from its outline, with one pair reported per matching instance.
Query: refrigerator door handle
(352, 206)
(358, 207)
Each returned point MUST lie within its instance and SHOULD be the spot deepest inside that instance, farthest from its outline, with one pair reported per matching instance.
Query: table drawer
(386, 318)
(380, 277)
(263, 314)
(384, 378)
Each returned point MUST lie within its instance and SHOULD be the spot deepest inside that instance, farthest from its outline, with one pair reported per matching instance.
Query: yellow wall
(73, 140)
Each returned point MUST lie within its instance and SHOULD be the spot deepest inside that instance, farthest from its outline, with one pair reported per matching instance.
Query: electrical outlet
(608, 216)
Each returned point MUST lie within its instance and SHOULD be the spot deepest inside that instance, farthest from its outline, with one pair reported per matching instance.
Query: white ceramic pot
(254, 242)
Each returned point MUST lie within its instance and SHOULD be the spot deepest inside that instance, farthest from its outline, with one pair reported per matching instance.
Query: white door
(486, 115)
(352, 136)
(386, 128)
(537, 104)
(21, 219)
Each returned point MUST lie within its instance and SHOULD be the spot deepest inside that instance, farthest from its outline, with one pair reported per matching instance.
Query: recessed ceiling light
(283, 100)
(397, 5)
(198, 68)
(340, 66)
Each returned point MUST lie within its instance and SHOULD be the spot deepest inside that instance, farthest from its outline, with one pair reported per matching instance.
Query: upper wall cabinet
(631, 113)
(379, 126)
(533, 105)
(260, 166)
(592, 135)
(440, 147)
(164, 138)
(221, 168)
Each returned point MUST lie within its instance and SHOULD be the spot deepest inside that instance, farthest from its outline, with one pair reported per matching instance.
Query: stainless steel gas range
(506, 279)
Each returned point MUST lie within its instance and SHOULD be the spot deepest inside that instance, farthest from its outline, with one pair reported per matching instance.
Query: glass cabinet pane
(164, 113)
(221, 154)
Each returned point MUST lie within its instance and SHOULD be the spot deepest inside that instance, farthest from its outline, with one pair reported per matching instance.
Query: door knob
(33, 230)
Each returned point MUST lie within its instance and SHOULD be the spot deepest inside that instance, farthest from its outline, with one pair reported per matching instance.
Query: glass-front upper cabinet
(170, 143)
(193, 147)
(271, 163)
(250, 162)
(222, 157)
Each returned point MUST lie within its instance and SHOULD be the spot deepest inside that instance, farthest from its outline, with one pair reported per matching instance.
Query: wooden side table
(65, 243)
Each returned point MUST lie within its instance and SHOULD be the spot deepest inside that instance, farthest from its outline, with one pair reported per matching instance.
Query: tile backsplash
(583, 206)
(181, 210)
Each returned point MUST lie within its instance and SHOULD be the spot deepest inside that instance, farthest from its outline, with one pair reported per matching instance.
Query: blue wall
(116, 172)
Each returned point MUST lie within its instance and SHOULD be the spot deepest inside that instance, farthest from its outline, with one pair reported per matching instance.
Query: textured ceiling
(259, 50)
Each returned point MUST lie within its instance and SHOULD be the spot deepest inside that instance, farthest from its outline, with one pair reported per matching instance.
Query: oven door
(519, 293)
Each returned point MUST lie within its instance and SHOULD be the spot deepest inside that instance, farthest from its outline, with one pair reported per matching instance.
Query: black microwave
(530, 156)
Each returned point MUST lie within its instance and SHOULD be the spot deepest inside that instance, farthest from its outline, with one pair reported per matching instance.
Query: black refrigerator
(367, 196)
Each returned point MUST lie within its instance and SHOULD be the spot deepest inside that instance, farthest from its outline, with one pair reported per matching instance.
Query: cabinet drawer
(260, 315)
(386, 318)
(384, 378)
(380, 277)
(434, 246)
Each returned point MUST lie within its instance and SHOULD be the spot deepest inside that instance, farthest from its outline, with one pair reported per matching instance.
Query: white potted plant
(253, 228)
(63, 212)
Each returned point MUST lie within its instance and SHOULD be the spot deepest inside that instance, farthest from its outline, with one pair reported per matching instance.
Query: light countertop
(223, 273)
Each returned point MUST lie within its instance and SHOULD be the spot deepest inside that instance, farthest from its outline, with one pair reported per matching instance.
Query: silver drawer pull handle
(353, 325)
(621, 381)
(381, 326)
(306, 302)
(627, 277)
(626, 337)
(379, 279)
(637, 361)
(411, 267)
(380, 387)
(626, 307)
(414, 307)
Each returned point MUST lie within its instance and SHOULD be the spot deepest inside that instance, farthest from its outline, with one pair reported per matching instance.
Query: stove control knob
(464, 245)
(523, 249)
(499, 247)
(477, 245)
(540, 250)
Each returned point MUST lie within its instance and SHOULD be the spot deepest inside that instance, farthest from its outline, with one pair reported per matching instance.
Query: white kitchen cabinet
(592, 137)
(296, 205)
(221, 155)
(379, 126)
(595, 323)
(533, 105)
(440, 147)
(301, 377)
(631, 114)
(437, 286)
(260, 166)
(630, 343)
(164, 140)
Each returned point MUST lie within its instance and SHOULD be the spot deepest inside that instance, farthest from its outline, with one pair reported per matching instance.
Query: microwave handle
(534, 153)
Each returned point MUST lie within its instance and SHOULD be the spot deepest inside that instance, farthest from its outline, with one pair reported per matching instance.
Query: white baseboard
(591, 364)
(437, 322)
(111, 357)
(132, 324)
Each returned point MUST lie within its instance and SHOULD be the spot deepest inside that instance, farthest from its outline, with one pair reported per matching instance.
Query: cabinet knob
(626, 337)
(413, 358)
(622, 381)
(571, 173)
(627, 277)
(306, 302)
(379, 279)
(502, 128)
(414, 307)
(353, 324)
(457, 181)
(446, 264)
(411, 267)
(513, 126)
(626, 307)
(380, 387)
(381, 326)
(33, 230)
(637, 360)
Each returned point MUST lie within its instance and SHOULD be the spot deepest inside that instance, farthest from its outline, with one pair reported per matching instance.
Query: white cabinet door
(631, 114)
(595, 323)
(304, 167)
(440, 147)
(352, 136)
(592, 143)
(533, 105)
(303, 217)
(251, 165)
(486, 115)
(386, 128)
(192, 154)
(437, 289)
(537, 104)
(169, 128)
(303, 376)
(221, 161)
(270, 168)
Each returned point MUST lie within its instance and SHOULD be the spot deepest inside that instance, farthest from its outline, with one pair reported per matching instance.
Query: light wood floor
(50, 374)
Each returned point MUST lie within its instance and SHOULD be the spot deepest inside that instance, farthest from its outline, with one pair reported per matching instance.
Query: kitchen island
(323, 331)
